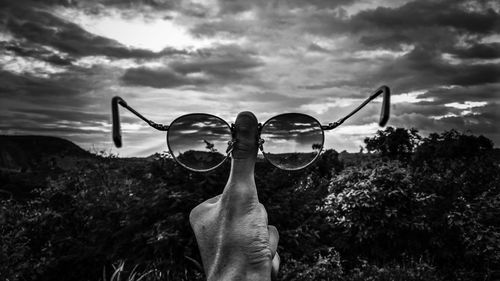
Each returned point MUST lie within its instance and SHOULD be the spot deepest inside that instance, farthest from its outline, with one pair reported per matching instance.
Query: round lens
(199, 141)
(292, 141)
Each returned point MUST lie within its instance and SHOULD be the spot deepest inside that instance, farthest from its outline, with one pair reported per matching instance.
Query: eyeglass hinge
(332, 125)
(159, 127)
(230, 146)
(261, 142)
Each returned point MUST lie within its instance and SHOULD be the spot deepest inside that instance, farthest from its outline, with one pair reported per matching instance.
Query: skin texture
(231, 229)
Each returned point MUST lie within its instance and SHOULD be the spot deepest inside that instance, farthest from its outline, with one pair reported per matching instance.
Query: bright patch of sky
(27, 65)
(153, 34)
(369, 4)
(349, 137)
(381, 53)
(5, 37)
(320, 108)
(90, 61)
(491, 39)
(467, 104)
(410, 97)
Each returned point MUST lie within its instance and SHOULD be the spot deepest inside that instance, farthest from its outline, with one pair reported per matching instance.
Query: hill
(26, 162)
(33, 152)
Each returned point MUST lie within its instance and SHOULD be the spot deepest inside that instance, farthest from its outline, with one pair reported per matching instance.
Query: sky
(61, 62)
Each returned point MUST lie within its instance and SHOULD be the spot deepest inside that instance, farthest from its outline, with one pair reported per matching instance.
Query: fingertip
(241, 183)
(273, 239)
(273, 232)
(246, 133)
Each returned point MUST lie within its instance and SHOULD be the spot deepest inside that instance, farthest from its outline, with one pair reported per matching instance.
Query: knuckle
(259, 252)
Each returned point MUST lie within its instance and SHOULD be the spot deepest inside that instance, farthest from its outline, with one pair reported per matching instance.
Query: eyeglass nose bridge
(234, 140)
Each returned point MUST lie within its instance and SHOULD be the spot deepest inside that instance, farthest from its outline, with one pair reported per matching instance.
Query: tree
(395, 143)
(452, 145)
(317, 146)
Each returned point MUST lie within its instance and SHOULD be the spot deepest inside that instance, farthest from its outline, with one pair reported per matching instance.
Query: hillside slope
(29, 152)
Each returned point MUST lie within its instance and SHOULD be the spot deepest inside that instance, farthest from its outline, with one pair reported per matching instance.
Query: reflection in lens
(292, 141)
(199, 141)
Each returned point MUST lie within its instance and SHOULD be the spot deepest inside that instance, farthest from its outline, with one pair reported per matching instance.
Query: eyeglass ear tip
(383, 121)
(117, 141)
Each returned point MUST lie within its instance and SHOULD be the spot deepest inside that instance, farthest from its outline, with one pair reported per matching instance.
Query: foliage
(411, 271)
(423, 209)
(324, 266)
(394, 143)
(378, 211)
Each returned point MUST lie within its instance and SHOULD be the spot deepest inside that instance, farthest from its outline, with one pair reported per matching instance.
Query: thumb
(241, 179)
(245, 148)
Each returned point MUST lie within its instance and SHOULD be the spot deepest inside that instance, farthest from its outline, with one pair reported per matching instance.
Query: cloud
(61, 62)
(36, 88)
(483, 92)
(37, 25)
(239, 6)
(216, 66)
(430, 14)
(423, 68)
(37, 52)
(159, 78)
(478, 51)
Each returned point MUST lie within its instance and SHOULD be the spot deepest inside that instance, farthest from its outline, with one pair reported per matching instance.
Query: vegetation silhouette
(415, 208)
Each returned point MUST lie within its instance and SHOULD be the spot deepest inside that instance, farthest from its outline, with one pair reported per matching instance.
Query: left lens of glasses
(292, 141)
(199, 141)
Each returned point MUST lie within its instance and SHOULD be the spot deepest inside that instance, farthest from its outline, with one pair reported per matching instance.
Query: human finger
(241, 183)
(273, 239)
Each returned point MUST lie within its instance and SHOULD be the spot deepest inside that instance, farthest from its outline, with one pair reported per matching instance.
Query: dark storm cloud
(479, 124)
(423, 69)
(209, 66)
(55, 121)
(478, 51)
(429, 23)
(479, 93)
(316, 48)
(37, 103)
(54, 115)
(238, 6)
(49, 129)
(228, 26)
(34, 51)
(389, 41)
(481, 120)
(428, 14)
(33, 88)
(130, 8)
(100, 6)
(228, 62)
(425, 109)
(38, 26)
(158, 78)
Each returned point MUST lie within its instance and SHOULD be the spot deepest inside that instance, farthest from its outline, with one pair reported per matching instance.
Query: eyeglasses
(202, 142)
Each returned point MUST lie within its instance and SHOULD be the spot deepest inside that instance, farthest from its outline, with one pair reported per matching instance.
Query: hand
(231, 229)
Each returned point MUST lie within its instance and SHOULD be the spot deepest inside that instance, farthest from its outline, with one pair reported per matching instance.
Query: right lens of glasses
(199, 141)
(292, 141)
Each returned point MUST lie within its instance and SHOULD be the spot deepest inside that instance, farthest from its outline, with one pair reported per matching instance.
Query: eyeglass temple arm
(117, 135)
(384, 114)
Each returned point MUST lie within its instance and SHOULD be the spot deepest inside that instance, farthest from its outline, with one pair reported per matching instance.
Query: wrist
(235, 272)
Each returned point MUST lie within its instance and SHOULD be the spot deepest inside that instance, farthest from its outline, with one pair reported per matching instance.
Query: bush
(431, 212)
(378, 212)
(412, 271)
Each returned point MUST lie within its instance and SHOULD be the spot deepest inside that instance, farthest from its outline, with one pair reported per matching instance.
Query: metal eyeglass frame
(117, 138)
